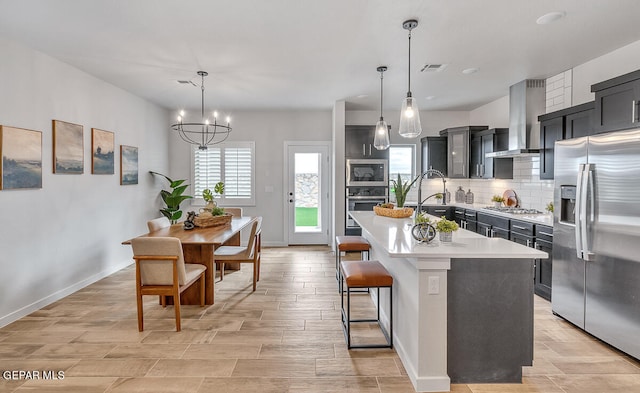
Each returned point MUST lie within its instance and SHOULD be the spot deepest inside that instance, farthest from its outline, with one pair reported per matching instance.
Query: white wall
(618, 62)
(269, 130)
(66, 235)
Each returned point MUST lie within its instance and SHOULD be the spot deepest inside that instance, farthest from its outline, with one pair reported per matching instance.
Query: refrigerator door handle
(588, 209)
(578, 210)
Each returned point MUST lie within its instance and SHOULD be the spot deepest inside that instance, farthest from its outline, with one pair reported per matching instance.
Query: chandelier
(205, 132)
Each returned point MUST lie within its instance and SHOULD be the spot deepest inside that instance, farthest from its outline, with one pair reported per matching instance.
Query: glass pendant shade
(410, 126)
(381, 139)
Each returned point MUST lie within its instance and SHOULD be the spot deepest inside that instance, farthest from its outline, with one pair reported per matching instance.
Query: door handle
(290, 200)
(364, 150)
(528, 242)
(519, 227)
(578, 211)
(633, 111)
(369, 148)
(588, 210)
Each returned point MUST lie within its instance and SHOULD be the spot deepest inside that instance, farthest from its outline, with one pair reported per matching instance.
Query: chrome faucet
(444, 188)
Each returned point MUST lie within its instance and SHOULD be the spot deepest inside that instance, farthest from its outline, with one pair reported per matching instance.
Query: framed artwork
(68, 148)
(21, 152)
(128, 165)
(102, 152)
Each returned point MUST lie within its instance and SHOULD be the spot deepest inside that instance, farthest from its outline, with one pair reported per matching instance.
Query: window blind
(231, 163)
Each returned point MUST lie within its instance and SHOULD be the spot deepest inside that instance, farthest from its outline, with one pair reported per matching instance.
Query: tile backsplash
(532, 192)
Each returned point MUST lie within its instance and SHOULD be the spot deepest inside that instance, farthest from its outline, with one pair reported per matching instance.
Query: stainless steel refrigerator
(596, 236)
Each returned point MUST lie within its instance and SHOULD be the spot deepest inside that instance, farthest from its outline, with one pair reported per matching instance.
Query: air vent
(186, 83)
(433, 67)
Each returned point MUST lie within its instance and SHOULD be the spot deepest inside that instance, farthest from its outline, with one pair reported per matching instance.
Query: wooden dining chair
(160, 270)
(158, 223)
(239, 254)
(234, 211)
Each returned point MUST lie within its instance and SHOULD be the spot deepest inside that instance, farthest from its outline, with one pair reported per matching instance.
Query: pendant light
(381, 140)
(410, 115)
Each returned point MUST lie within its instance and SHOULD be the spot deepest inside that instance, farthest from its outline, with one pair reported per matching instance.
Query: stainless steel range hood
(526, 103)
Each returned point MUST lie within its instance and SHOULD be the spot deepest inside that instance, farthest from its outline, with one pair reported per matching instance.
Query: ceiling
(307, 54)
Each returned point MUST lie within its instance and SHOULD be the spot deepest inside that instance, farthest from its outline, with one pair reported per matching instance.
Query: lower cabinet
(543, 267)
(439, 211)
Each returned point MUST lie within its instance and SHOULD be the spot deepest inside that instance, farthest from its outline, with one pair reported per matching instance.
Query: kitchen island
(463, 311)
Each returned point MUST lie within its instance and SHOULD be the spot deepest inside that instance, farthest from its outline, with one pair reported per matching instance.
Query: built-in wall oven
(369, 173)
(362, 199)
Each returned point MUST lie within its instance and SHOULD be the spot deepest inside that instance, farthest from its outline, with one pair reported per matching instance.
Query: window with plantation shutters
(231, 163)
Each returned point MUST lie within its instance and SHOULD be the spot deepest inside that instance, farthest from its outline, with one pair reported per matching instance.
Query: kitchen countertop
(394, 236)
(543, 219)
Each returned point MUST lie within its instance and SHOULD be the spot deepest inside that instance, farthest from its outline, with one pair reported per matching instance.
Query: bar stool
(366, 274)
(349, 243)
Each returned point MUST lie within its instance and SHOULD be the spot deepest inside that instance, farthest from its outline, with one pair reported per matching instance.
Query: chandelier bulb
(228, 120)
(181, 113)
(215, 114)
(179, 119)
(206, 122)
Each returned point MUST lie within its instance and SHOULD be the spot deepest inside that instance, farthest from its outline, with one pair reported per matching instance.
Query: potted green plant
(497, 200)
(445, 228)
(549, 207)
(401, 190)
(173, 198)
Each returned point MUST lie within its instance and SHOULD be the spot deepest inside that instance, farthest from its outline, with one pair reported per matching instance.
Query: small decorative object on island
(497, 200)
(423, 231)
(446, 228)
(388, 210)
(401, 189)
(173, 198)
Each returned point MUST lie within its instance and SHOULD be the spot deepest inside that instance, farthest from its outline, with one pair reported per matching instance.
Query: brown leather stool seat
(365, 274)
(359, 274)
(352, 243)
(349, 243)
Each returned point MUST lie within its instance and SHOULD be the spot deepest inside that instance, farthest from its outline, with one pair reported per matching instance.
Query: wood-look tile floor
(285, 337)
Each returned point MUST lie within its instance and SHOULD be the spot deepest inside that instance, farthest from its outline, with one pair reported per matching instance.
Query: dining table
(198, 245)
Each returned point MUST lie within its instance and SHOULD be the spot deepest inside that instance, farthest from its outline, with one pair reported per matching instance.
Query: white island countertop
(394, 236)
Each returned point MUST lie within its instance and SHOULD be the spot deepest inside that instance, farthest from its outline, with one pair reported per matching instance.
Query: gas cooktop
(513, 210)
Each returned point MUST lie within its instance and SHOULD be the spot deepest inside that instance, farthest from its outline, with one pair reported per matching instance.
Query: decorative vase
(497, 204)
(423, 232)
(445, 237)
(209, 207)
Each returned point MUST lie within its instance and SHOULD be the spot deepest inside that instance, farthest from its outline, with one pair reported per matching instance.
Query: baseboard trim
(37, 305)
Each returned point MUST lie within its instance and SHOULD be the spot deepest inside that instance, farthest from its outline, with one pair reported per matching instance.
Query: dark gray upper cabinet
(359, 143)
(434, 154)
(458, 143)
(551, 130)
(617, 103)
(483, 142)
(579, 122)
(574, 122)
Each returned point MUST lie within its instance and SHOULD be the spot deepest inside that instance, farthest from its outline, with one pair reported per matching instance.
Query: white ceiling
(306, 54)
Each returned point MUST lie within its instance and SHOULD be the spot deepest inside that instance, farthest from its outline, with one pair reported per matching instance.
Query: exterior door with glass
(308, 192)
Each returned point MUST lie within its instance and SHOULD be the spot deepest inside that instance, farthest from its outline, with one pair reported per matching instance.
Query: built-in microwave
(367, 173)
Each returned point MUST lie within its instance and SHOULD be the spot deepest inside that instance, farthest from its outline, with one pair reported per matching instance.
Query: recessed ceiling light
(468, 71)
(550, 17)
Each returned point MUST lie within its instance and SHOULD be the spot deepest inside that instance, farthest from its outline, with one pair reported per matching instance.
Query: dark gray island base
(489, 320)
